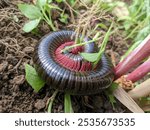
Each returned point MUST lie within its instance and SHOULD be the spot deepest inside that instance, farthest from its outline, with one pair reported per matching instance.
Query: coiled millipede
(69, 72)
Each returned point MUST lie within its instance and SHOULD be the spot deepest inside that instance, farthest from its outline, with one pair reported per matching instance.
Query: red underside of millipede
(67, 62)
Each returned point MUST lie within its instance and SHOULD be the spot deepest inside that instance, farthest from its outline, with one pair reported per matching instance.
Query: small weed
(40, 11)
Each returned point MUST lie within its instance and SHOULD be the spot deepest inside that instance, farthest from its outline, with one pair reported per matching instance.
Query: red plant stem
(139, 72)
(134, 58)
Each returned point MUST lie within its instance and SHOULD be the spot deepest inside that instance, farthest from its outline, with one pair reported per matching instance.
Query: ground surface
(16, 49)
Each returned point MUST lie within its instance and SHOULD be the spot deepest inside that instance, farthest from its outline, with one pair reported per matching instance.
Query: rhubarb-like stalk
(134, 58)
(139, 72)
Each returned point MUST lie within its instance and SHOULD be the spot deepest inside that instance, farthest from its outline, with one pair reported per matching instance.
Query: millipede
(68, 71)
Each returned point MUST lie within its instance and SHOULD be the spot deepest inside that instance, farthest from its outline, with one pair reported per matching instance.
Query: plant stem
(81, 44)
(134, 30)
(68, 104)
(103, 45)
(51, 100)
(139, 72)
(48, 20)
(134, 58)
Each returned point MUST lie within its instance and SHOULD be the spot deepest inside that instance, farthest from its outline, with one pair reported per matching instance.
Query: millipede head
(68, 71)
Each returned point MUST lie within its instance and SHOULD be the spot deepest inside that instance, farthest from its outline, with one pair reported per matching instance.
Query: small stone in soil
(10, 67)
(1, 110)
(40, 104)
(28, 50)
(3, 66)
(19, 79)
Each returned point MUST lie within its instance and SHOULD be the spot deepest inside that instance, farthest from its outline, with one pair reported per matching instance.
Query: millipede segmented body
(68, 71)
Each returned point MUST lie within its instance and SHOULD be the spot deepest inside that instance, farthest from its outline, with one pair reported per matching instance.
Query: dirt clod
(19, 79)
(28, 50)
(16, 49)
(3, 66)
(40, 104)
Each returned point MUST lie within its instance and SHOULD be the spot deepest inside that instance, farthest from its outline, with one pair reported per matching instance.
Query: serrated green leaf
(33, 79)
(91, 57)
(28, 27)
(30, 11)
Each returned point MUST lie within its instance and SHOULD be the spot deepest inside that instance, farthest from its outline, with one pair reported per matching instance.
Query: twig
(126, 100)
(141, 90)
(51, 100)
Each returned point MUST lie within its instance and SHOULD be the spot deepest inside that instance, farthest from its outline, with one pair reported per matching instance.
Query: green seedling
(42, 10)
(37, 83)
(137, 24)
(67, 104)
(33, 78)
(109, 93)
(93, 57)
(64, 17)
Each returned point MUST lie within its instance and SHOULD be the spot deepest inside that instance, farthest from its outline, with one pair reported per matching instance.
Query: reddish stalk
(134, 58)
(139, 72)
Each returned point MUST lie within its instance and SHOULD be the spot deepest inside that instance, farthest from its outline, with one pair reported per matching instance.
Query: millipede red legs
(68, 71)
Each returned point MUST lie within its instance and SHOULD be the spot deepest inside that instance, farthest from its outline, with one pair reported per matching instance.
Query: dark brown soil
(16, 49)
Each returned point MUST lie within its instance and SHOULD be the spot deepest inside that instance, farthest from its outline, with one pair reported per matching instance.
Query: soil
(16, 49)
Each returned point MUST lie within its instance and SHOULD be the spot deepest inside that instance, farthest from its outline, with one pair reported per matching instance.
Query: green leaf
(28, 27)
(64, 18)
(67, 104)
(143, 33)
(41, 3)
(30, 11)
(103, 26)
(103, 45)
(59, 1)
(138, 40)
(51, 100)
(109, 93)
(125, 18)
(49, 1)
(33, 79)
(91, 57)
(53, 7)
(113, 87)
(112, 100)
(71, 2)
(127, 25)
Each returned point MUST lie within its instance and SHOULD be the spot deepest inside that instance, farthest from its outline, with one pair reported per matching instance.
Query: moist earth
(16, 50)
